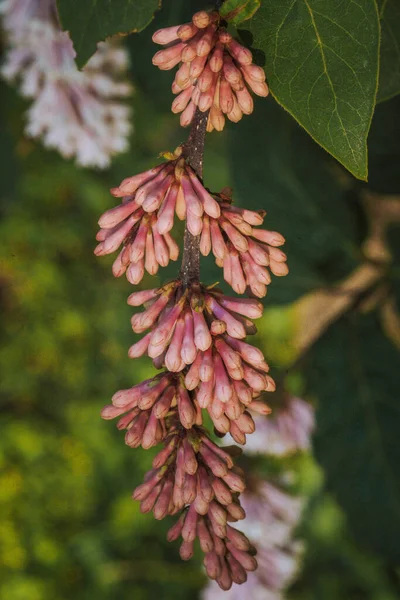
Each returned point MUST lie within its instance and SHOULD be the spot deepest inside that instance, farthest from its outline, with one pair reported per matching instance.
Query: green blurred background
(68, 526)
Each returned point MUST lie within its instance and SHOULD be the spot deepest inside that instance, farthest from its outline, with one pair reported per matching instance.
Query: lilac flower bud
(186, 550)
(245, 559)
(205, 539)
(237, 571)
(189, 529)
(189, 457)
(163, 501)
(212, 565)
(176, 529)
(213, 462)
(187, 413)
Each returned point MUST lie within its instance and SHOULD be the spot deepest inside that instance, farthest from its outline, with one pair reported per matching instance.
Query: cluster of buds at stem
(143, 222)
(215, 72)
(202, 331)
(245, 252)
(143, 409)
(192, 475)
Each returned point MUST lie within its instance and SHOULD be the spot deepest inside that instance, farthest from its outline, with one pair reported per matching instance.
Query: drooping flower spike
(215, 72)
(245, 253)
(195, 333)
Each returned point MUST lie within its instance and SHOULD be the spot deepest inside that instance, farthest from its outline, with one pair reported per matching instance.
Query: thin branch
(193, 151)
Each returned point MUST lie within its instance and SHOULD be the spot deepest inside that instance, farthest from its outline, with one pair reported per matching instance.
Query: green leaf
(384, 148)
(355, 376)
(389, 78)
(321, 60)
(92, 21)
(237, 11)
(285, 173)
(393, 238)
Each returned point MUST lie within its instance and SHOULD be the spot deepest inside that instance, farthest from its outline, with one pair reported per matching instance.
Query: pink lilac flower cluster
(145, 218)
(271, 517)
(195, 334)
(78, 113)
(215, 71)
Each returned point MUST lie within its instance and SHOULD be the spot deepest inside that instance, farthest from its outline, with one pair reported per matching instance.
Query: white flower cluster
(79, 113)
(272, 515)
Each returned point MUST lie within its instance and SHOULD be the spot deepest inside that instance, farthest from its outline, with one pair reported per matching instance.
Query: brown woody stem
(193, 151)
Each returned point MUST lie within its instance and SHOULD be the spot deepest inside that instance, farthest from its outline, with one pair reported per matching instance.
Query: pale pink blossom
(78, 113)
(287, 430)
(253, 589)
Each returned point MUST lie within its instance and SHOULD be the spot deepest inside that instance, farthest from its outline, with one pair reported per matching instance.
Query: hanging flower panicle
(215, 71)
(195, 333)
(78, 113)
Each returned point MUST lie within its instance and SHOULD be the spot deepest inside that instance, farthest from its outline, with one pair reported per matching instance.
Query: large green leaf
(321, 60)
(277, 167)
(237, 11)
(356, 379)
(92, 21)
(389, 79)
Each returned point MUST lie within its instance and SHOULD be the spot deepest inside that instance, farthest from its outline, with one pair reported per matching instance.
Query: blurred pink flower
(78, 113)
(287, 429)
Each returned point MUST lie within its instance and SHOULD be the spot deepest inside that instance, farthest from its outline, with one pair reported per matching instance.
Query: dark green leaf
(389, 78)
(393, 238)
(384, 148)
(237, 11)
(92, 21)
(277, 167)
(321, 60)
(355, 376)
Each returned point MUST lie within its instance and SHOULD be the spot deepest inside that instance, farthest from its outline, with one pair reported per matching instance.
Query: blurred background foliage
(68, 527)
